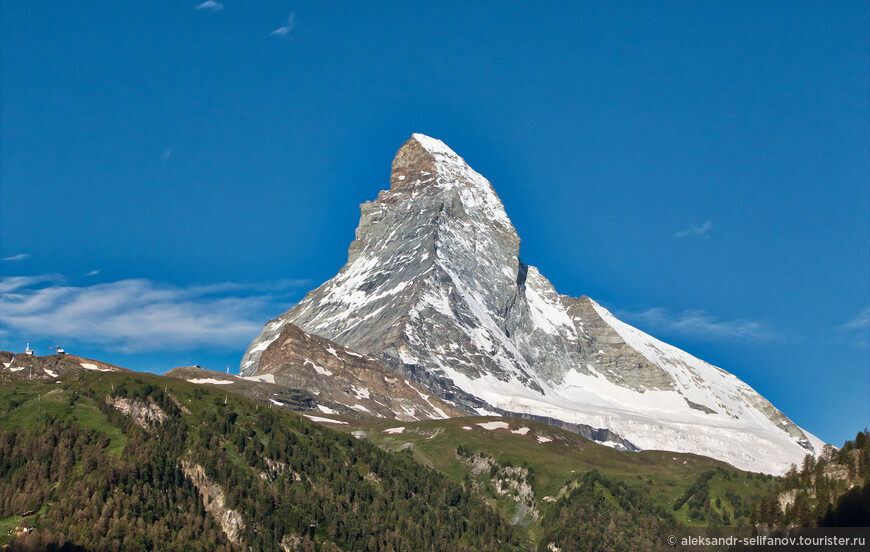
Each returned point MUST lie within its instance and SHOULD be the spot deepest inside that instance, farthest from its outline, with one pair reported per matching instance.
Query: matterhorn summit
(434, 289)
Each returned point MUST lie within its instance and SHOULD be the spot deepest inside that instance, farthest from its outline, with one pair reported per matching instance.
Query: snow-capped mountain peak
(434, 288)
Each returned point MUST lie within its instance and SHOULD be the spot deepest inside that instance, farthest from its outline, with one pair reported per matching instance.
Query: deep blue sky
(172, 177)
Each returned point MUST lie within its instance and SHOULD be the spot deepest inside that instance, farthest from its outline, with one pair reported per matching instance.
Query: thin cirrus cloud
(284, 30)
(19, 257)
(860, 322)
(702, 231)
(701, 325)
(857, 330)
(139, 315)
(210, 5)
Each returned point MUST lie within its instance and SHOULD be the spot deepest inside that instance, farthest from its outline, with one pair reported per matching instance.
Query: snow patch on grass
(490, 426)
(200, 381)
(324, 420)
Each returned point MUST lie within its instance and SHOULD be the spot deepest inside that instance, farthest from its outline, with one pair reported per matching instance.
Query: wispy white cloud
(139, 315)
(19, 257)
(12, 283)
(856, 330)
(285, 29)
(210, 5)
(166, 155)
(701, 325)
(93, 272)
(860, 322)
(699, 231)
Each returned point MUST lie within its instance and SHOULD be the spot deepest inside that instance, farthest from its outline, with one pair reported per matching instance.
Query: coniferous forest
(290, 480)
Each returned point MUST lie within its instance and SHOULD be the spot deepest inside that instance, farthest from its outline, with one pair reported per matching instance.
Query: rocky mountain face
(344, 381)
(435, 290)
(307, 372)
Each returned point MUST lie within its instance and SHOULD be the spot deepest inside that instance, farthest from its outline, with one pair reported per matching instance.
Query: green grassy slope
(666, 476)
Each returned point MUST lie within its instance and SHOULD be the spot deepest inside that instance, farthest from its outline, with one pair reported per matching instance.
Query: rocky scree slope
(434, 288)
(344, 381)
(303, 371)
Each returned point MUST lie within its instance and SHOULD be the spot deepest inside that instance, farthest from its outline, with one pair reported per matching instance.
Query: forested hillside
(831, 491)
(113, 462)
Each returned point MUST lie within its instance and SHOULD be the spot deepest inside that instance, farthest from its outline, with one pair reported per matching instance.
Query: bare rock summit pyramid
(434, 289)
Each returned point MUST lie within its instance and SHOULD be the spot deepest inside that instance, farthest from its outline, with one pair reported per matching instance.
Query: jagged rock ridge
(434, 288)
